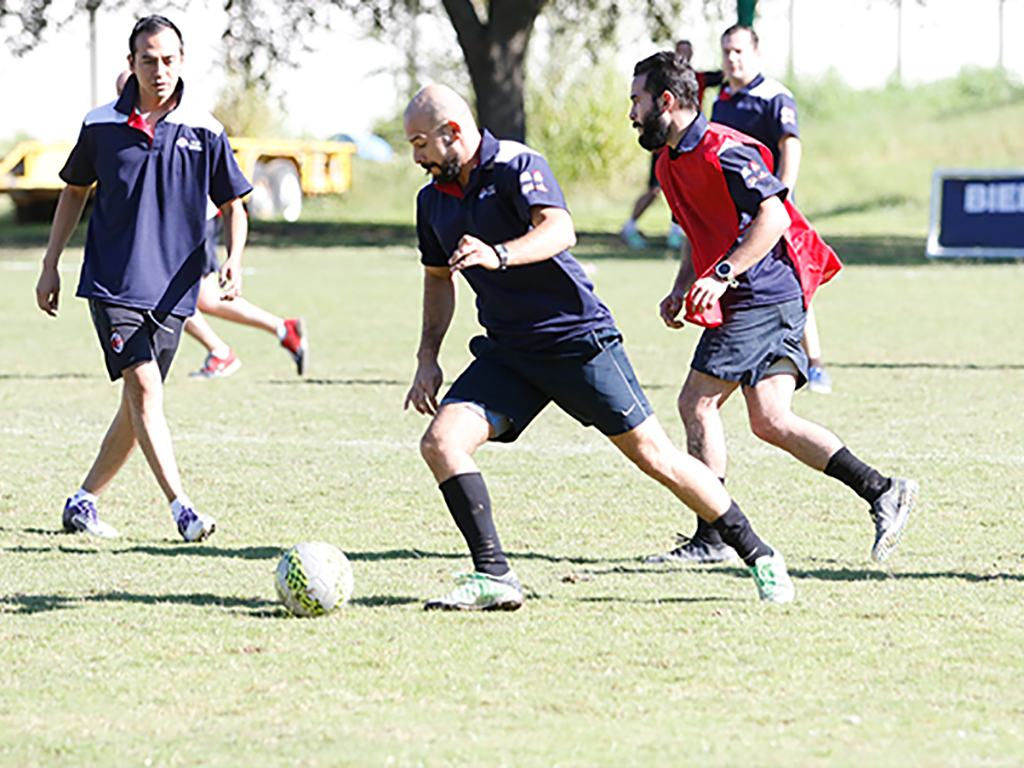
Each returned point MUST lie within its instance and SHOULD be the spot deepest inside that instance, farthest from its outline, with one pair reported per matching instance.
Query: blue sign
(977, 213)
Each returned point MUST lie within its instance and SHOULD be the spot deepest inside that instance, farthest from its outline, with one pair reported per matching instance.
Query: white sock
(83, 495)
(178, 505)
(675, 229)
(221, 352)
(282, 331)
(629, 227)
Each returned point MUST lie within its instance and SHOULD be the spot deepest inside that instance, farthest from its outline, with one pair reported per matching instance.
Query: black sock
(736, 531)
(470, 505)
(705, 532)
(866, 482)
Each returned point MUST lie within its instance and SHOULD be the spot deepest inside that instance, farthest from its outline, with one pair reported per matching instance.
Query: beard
(654, 135)
(448, 170)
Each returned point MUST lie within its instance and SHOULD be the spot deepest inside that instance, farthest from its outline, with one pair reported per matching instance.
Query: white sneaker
(81, 516)
(195, 526)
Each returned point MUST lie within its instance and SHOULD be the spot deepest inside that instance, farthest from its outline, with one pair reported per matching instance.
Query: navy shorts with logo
(750, 340)
(588, 377)
(131, 336)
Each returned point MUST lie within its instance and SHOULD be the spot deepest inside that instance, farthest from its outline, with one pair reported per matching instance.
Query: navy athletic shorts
(749, 341)
(212, 236)
(588, 377)
(131, 336)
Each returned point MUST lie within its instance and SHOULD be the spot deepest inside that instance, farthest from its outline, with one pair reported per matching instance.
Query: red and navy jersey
(764, 109)
(714, 181)
(145, 247)
(530, 306)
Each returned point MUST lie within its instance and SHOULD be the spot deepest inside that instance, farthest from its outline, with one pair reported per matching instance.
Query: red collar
(135, 121)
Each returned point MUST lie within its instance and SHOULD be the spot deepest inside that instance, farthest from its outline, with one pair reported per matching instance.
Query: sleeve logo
(753, 173)
(532, 181)
(787, 116)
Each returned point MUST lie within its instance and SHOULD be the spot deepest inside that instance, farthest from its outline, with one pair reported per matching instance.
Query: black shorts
(749, 341)
(132, 336)
(589, 377)
(212, 236)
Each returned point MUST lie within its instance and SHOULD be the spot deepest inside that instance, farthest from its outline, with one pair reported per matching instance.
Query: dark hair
(150, 25)
(668, 71)
(741, 28)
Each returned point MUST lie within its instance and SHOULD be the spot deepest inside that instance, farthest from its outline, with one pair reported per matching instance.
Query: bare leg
(117, 446)
(644, 201)
(690, 480)
(700, 402)
(450, 440)
(237, 311)
(144, 391)
(770, 406)
(198, 328)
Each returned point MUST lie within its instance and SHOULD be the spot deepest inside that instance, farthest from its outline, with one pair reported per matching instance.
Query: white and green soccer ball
(313, 579)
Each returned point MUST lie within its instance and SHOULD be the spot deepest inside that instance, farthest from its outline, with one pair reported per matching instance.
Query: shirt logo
(487, 192)
(116, 342)
(753, 172)
(787, 115)
(193, 144)
(532, 181)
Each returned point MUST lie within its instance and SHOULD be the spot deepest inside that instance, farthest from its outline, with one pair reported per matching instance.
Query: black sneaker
(890, 512)
(694, 550)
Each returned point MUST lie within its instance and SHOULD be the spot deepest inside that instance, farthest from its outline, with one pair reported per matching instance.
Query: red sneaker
(296, 342)
(218, 367)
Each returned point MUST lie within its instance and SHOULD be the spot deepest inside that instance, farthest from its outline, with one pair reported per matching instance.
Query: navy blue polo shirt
(772, 280)
(531, 306)
(764, 109)
(146, 243)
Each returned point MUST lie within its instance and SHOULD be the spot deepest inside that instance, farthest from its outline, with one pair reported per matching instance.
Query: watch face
(723, 270)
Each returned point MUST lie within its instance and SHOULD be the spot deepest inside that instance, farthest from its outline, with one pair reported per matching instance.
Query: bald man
(494, 213)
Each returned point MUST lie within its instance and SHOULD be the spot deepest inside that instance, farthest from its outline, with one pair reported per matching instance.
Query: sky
(340, 87)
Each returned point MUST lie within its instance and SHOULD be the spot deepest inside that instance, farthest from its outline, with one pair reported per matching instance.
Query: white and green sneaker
(772, 578)
(481, 592)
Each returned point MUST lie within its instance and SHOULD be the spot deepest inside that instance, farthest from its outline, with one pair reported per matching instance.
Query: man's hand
(670, 308)
(704, 294)
(48, 290)
(424, 389)
(230, 279)
(471, 252)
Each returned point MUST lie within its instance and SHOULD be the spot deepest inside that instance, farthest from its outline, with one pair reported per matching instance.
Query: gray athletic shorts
(130, 336)
(751, 341)
(588, 377)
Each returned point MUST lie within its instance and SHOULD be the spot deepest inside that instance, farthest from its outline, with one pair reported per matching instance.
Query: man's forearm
(69, 211)
(438, 310)
(236, 227)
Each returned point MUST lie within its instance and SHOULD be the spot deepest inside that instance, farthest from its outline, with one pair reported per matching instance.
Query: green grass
(146, 650)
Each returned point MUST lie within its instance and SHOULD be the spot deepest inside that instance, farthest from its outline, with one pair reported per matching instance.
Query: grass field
(148, 651)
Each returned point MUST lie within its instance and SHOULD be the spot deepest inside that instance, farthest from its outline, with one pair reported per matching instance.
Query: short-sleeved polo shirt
(764, 109)
(145, 247)
(530, 306)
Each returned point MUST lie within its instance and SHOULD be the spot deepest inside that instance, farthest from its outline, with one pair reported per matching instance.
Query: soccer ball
(314, 578)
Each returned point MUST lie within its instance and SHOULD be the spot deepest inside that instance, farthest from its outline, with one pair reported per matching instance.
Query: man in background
(156, 162)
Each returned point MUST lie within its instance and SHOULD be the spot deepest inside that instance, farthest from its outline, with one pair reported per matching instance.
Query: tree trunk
(495, 54)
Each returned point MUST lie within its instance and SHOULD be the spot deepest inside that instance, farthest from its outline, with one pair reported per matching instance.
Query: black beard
(448, 170)
(655, 132)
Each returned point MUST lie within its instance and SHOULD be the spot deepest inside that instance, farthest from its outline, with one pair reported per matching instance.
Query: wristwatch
(724, 272)
(502, 252)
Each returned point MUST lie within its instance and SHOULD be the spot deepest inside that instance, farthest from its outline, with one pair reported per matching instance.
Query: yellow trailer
(282, 172)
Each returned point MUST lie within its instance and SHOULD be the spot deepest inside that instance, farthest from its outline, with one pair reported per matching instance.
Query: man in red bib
(748, 277)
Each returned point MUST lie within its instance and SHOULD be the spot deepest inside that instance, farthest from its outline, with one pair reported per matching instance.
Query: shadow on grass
(936, 366)
(45, 376)
(383, 601)
(338, 382)
(28, 604)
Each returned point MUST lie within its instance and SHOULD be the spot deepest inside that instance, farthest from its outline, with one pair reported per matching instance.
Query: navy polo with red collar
(529, 306)
(763, 108)
(145, 247)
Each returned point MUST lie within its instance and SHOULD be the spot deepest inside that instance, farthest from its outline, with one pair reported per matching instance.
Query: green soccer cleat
(481, 592)
(772, 578)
